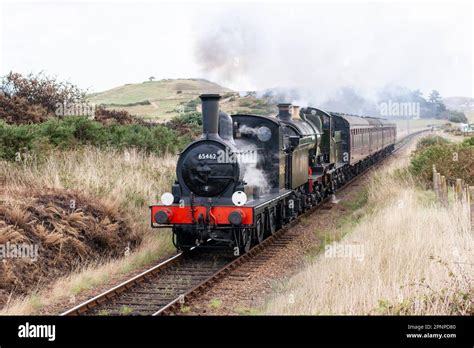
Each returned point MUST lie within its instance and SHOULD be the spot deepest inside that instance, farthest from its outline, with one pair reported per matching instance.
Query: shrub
(113, 116)
(31, 98)
(468, 142)
(15, 140)
(430, 141)
(73, 131)
(87, 131)
(17, 110)
(59, 132)
(451, 160)
(457, 117)
(188, 124)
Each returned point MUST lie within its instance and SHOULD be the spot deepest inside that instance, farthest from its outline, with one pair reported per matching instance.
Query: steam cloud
(254, 176)
(313, 52)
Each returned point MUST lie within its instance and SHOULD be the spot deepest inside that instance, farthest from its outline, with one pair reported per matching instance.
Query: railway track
(163, 288)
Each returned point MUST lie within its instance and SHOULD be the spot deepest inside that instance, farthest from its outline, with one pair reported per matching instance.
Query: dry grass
(58, 231)
(125, 181)
(418, 259)
(92, 275)
(130, 177)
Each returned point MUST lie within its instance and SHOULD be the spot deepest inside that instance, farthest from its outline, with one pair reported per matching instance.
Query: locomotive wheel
(245, 240)
(271, 221)
(260, 231)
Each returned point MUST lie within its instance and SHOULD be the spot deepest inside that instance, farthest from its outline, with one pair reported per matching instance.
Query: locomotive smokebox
(210, 115)
(284, 112)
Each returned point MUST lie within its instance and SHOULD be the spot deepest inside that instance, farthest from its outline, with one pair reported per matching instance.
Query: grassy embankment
(418, 256)
(122, 180)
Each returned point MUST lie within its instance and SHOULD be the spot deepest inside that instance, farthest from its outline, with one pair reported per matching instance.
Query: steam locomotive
(248, 175)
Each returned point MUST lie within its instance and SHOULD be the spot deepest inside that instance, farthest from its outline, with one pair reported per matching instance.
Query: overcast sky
(253, 45)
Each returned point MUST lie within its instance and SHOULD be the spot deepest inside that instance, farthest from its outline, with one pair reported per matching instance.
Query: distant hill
(155, 99)
(164, 99)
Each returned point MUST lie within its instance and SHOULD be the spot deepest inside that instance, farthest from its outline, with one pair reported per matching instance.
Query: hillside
(155, 99)
(164, 99)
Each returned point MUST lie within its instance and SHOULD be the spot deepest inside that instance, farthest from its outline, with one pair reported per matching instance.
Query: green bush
(15, 140)
(430, 141)
(188, 125)
(457, 117)
(468, 142)
(87, 131)
(59, 132)
(158, 139)
(74, 131)
(455, 161)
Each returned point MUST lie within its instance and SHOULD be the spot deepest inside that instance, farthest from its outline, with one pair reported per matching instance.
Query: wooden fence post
(444, 190)
(470, 204)
(438, 180)
(438, 183)
(459, 189)
(435, 182)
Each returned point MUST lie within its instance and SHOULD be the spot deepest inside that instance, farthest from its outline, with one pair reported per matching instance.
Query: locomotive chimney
(284, 112)
(210, 114)
(296, 111)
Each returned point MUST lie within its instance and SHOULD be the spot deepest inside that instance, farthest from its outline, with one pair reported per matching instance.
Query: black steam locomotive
(248, 175)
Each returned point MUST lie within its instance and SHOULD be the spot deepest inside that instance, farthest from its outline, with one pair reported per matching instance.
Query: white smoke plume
(253, 176)
(316, 49)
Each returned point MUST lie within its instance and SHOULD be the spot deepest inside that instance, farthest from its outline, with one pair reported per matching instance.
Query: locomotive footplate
(163, 216)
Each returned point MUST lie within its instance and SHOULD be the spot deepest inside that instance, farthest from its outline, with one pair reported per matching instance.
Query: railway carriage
(248, 175)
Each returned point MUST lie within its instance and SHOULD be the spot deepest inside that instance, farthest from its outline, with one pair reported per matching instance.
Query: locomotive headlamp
(167, 198)
(239, 198)
(236, 218)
